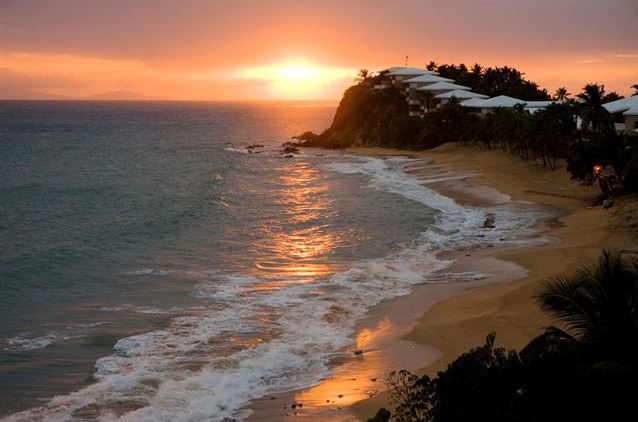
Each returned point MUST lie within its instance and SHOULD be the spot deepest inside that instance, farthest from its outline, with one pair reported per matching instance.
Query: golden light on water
(299, 253)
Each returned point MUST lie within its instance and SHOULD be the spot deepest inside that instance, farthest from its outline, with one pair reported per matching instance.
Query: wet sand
(579, 231)
(435, 323)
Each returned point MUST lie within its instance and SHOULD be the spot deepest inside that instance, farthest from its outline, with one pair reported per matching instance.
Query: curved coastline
(580, 231)
(436, 322)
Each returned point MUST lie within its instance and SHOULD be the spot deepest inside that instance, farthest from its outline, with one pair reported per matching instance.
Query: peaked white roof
(633, 111)
(538, 104)
(410, 71)
(623, 104)
(443, 86)
(427, 78)
(472, 102)
(460, 94)
(495, 102)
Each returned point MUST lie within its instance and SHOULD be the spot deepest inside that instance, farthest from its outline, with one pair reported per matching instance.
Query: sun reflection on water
(298, 246)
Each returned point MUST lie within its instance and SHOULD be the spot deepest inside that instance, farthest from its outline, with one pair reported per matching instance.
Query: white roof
(443, 86)
(633, 111)
(538, 104)
(460, 94)
(621, 105)
(495, 102)
(472, 102)
(427, 78)
(410, 71)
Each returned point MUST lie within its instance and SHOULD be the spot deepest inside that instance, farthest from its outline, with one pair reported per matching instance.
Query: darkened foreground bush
(587, 372)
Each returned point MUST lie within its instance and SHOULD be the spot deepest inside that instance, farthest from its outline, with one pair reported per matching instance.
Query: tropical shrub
(586, 372)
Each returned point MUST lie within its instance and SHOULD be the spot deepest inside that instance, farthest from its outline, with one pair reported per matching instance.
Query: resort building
(428, 93)
(426, 90)
(488, 106)
(625, 113)
(534, 106)
(402, 73)
(393, 75)
(459, 94)
(413, 97)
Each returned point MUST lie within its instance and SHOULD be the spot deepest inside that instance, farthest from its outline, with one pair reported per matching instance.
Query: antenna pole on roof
(406, 60)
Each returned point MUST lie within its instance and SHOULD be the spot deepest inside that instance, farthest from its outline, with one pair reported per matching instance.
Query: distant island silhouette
(119, 95)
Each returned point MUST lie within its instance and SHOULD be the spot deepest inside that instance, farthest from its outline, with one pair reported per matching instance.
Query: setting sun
(297, 79)
(297, 72)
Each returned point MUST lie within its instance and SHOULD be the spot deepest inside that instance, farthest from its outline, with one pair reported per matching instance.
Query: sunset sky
(273, 50)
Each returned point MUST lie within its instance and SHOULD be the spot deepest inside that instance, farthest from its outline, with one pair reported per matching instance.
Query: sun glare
(297, 72)
(296, 79)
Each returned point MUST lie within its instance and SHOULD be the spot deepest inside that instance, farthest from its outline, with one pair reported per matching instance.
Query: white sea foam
(150, 271)
(27, 342)
(125, 307)
(186, 372)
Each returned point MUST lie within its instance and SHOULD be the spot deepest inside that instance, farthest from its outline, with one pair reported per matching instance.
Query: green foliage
(589, 373)
(411, 395)
(630, 164)
(489, 386)
(493, 81)
(599, 306)
(367, 117)
(592, 111)
(589, 149)
(383, 415)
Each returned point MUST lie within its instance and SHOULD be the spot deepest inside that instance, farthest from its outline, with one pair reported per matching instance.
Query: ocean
(153, 267)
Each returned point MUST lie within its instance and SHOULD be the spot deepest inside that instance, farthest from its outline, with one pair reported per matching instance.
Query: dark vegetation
(492, 81)
(368, 117)
(587, 370)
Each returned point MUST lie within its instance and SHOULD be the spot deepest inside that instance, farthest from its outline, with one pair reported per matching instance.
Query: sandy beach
(580, 231)
(424, 331)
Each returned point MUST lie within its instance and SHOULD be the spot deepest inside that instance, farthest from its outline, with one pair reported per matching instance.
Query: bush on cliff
(587, 372)
(368, 117)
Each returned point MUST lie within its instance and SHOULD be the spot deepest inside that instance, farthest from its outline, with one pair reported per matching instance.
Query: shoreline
(355, 389)
(580, 232)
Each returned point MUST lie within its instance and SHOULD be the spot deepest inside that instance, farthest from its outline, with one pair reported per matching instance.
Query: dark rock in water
(489, 223)
(340, 395)
(607, 203)
(307, 136)
(249, 147)
(289, 149)
(373, 379)
(293, 406)
(289, 156)
(272, 398)
(358, 352)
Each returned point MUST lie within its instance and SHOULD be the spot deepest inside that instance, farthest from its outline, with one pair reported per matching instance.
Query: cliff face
(368, 117)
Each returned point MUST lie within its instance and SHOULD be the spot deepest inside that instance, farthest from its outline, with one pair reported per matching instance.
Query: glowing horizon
(284, 50)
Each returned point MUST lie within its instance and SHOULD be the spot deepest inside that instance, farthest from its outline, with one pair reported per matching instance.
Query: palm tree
(599, 307)
(561, 95)
(635, 87)
(431, 66)
(363, 75)
(592, 111)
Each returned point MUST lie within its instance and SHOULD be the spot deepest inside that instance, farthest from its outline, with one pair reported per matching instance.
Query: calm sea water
(153, 268)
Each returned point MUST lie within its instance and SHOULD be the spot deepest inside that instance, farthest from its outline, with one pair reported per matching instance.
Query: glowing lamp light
(597, 169)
